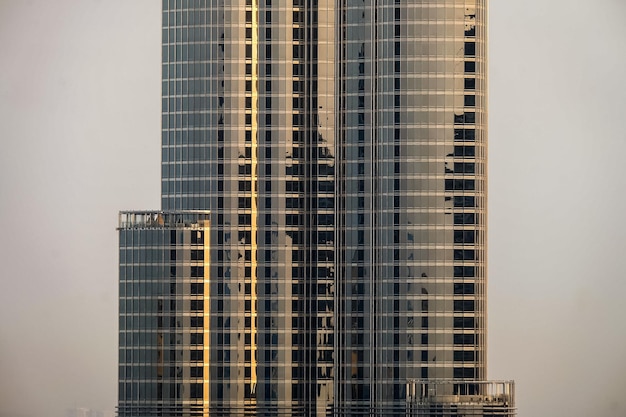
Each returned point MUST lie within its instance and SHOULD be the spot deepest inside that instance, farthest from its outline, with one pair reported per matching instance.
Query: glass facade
(164, 328)
(411, 224)
(249, 133)
(341, 150)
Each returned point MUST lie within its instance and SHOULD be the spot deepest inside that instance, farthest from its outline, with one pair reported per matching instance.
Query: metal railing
(164, 219)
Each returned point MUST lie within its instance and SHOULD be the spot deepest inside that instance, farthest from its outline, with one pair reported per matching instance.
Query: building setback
(321, 247)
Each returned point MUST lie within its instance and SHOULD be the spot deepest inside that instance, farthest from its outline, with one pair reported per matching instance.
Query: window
(196, 338)
(468, 135)
(222, 355)
(460, 184)
(195, 390)
(462, 373)
(464, 271)
(245, 202)
(464, 255)
(197, 271)
(464, 322)
(464, 201)
(245, 186)
(465, 236)
(465, 151)
(464, 355)
(196, 355)
(196, 321)
(464, 306)
(197, 238)
(464, 339)
(197, 289)
(197, 255)
(298, 51)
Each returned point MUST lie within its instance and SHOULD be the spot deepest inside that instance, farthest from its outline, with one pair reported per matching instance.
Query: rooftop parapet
(450, 391)
(156, 219)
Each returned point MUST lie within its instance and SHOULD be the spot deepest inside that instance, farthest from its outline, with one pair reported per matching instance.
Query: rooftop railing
(460, 392)
(164, 219)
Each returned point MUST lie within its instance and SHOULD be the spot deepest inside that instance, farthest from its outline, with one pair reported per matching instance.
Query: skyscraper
(321, 248)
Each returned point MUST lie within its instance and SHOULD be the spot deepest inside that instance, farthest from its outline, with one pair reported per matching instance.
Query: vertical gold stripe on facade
(255, 187)
(206, 338)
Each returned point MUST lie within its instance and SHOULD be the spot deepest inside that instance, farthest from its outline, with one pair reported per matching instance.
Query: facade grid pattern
(341, 150)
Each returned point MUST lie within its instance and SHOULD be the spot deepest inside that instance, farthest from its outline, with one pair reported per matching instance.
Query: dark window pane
(464, 288)
(464, 373)
(464, 151)
(464, 201)
(464, 339)
(464, 306)
(464, 355)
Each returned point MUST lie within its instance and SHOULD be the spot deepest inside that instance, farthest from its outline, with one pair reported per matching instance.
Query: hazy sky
(80, 134)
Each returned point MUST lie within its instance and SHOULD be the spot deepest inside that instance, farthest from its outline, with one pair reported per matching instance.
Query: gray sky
(79, 129)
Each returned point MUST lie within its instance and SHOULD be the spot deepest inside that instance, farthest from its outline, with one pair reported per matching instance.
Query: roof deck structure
(456, 398)
(145, 219)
